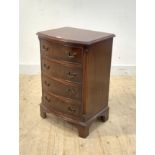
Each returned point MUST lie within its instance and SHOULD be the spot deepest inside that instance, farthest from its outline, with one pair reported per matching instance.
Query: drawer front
(63, 89)
(62, 72)
(61, 52)
(67, 106)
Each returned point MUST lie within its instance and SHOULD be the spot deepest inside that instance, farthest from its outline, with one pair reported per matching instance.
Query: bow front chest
(75, 73)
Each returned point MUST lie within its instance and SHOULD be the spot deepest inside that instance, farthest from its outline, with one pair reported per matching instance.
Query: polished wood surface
(62, 88)
(60, 52)
(98, 62)
(53, 136)
(75, 35)
(61, 104)
(75, 78)
(66, 72)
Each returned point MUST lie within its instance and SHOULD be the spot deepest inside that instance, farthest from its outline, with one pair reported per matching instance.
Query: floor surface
(52, 136)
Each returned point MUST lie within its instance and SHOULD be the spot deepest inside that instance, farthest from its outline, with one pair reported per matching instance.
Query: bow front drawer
(67, 106)
(61, 88)
(61, 52)
(69, 73)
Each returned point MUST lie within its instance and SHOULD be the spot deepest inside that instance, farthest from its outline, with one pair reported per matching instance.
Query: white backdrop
(113, 16)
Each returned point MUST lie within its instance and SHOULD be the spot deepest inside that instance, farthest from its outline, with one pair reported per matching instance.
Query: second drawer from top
(62, 71)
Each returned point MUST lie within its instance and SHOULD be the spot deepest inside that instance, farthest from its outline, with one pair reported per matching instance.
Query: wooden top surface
(75, 35)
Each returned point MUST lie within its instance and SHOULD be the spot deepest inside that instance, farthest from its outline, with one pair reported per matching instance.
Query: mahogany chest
(75, 73)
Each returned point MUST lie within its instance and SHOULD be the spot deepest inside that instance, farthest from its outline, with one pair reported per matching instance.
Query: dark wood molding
(83, 121)
(75, 36)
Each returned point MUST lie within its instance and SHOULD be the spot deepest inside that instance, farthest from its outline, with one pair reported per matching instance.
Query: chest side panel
(98, 63)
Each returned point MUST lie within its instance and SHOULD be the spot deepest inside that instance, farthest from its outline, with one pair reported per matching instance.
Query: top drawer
(60, 52)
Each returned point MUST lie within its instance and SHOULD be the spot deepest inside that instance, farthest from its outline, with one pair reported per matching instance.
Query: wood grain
(60, 52)
(53, 136)
(66, 72)
(98, 63)
(75, 35)
(62, 88)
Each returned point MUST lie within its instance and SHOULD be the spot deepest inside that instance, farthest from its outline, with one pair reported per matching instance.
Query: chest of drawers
(75, 73)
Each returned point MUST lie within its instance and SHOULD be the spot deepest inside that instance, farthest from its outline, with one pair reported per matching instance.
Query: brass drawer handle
(47, 99)
(72, 109)
(46, 66)
(71, 55)
(47, 84)
(45, 48)
(71, 75)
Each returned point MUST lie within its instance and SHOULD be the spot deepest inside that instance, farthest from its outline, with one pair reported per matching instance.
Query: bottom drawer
(65, 106)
